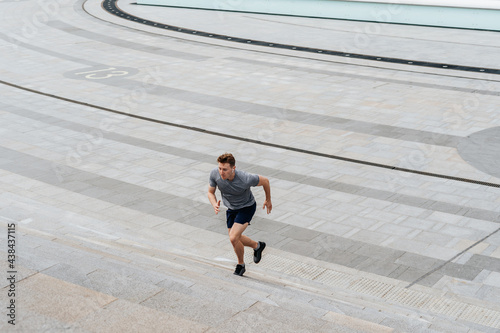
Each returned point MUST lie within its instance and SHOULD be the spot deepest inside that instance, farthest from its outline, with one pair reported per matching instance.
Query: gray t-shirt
(235, 193)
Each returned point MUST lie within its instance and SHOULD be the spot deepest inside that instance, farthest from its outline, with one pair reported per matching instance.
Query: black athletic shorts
(240, 216)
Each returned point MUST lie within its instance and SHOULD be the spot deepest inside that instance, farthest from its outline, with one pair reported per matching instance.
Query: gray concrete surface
(113, 230)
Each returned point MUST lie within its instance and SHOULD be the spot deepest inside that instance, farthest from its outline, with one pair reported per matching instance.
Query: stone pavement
(384, 176)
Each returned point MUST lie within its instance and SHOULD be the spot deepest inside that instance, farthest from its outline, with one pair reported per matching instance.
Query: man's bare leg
(239, 241)
(247, 241)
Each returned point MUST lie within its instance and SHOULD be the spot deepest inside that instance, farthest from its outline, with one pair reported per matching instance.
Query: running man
(234, 186)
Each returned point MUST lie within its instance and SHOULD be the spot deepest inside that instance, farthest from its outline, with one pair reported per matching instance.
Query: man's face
(226, 171)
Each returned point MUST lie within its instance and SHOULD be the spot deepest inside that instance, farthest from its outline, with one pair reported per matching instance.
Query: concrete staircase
(160, 282)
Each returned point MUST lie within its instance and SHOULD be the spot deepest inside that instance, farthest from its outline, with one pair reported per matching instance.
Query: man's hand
(217, 207)
(269, 206)
(213, 199)
(264, 182)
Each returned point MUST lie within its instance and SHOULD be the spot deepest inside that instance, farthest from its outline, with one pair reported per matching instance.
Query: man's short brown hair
(227, 158)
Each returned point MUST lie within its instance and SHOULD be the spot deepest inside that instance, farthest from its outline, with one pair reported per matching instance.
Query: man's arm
(213, 199)
(264, 182)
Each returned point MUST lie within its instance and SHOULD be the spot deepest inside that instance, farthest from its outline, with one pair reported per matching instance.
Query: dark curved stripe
(111, 7)
(258, 142)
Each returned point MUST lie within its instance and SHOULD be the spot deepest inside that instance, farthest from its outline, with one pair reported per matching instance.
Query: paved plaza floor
(381, 143)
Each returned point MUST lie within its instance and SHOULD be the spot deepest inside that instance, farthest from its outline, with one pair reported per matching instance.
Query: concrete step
(195, 284)
(200, 296)
(54, 305)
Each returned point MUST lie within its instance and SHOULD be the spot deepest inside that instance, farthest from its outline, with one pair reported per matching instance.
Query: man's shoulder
(241, 174)
(246, 176)
(214, 175)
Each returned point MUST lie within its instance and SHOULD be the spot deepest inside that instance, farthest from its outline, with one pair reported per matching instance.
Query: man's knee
(234, 239)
